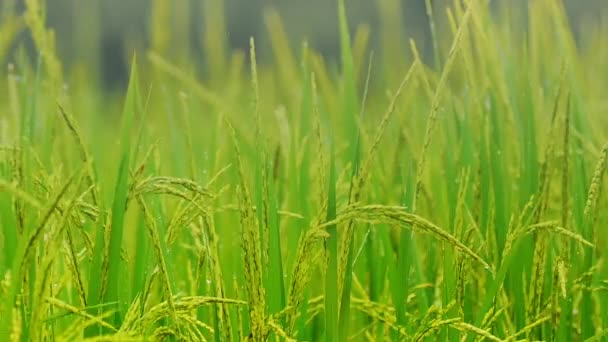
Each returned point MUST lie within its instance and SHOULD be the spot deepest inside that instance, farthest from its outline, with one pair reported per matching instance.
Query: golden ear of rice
(380, 312)
(528, 328)
(280, 332)
(182, 305)
(78, 312)
(466, 327)
(251, 244)
(536, 291)
(397, 215)
(132, 315)
(594, 190)
(305, 260)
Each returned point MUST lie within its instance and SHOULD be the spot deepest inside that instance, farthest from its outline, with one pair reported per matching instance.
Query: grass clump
(306, 199)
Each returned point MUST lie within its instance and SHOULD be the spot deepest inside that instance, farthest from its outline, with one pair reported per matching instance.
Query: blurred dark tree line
(102, 32)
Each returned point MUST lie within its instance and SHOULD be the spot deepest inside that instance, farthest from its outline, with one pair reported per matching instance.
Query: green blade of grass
(114, 262)
(8, 223)
(350, 102)
(400, 283)
(331, 276)
(351, 125)
(275, 257)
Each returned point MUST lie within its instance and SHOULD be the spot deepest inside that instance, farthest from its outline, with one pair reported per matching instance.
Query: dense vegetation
(386, 198)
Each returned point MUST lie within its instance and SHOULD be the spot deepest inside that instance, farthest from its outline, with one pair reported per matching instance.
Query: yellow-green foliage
(390, 195)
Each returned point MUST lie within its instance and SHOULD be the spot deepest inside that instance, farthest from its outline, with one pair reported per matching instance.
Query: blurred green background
(105, 32)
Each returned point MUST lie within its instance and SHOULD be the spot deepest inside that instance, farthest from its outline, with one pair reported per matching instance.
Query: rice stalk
(37, 330)
(358, 182)
(74, 331)
(78, 312)
(267, 213)
(376, 214)
(432, 117)
(594, 190)
(84, 155)
(19, 193)
(536, 291)
(239, 315)
(306, 258)
(434, 327)
(528, 328)
(211, 242)
(381, 313)
(280, 332)
(24, 256)
(251, 244)
(159, 253)
(44, 279)
(183, 305)
(466, 327)
(552, 226)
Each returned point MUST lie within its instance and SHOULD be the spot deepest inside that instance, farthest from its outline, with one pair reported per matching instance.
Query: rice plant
(385, 195)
